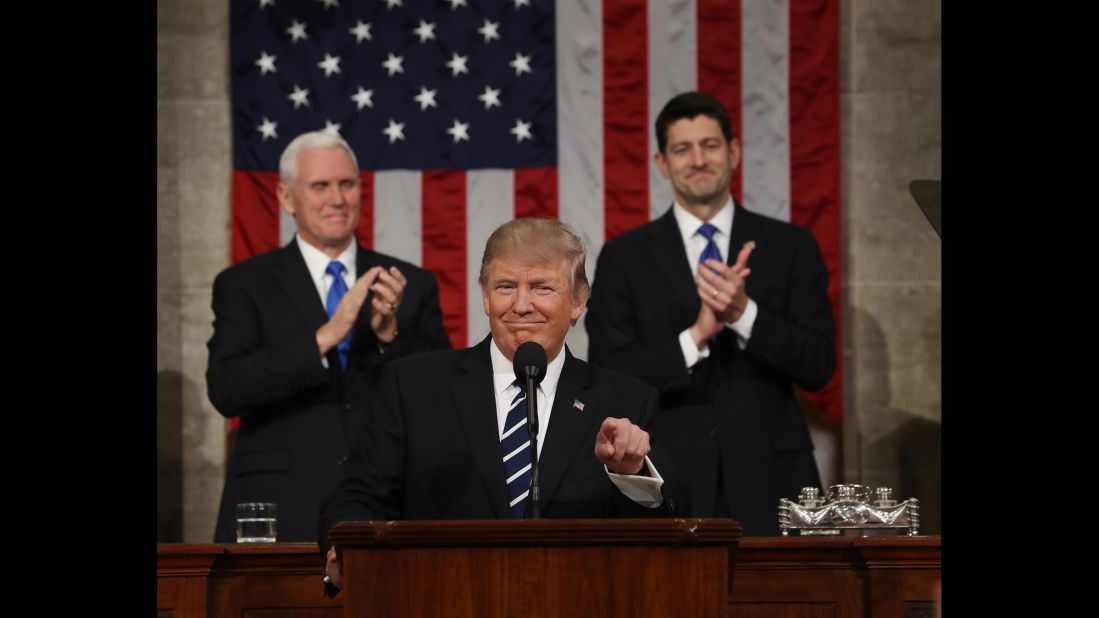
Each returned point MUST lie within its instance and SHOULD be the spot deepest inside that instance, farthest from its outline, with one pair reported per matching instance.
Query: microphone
(530, 367)
(530, 361)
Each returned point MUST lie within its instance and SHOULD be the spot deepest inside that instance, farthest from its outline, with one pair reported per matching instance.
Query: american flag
(466, 113)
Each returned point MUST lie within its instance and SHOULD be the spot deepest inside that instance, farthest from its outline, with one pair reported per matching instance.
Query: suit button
(346, 407)
(341, 460)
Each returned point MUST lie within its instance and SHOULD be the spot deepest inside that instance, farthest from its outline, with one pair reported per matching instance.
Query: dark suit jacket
(736, 412)
(431, 448)
(298, 419)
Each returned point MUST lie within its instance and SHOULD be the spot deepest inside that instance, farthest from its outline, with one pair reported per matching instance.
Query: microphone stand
(532, 426)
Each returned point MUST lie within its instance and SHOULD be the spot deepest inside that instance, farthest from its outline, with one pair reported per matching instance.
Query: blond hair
(540, 240)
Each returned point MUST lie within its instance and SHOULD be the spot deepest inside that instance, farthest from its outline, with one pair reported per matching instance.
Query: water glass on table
(257, 522)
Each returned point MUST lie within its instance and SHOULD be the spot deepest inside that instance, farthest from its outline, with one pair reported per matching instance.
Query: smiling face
(699, 161)
(324, 199)
(529, 302)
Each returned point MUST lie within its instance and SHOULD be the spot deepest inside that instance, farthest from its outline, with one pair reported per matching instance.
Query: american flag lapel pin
(576, 403)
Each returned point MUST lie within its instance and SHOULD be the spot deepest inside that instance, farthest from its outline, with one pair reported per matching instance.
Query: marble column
(194, 166)
(891, 120)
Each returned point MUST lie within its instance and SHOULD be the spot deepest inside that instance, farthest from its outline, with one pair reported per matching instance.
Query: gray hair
(314, 140)
(539, 240)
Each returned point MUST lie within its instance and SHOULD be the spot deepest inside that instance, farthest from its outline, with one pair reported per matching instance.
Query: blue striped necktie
(515, 446)
(335, 293)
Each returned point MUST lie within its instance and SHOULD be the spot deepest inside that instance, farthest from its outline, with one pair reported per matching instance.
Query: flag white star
(299, 97)
(361, 31)
(521, 130)
(521, 64)
(394, 131)
(363, 98)
(330, 64)
(519, 3)
(457, 64)
(263, 3)
(393, 64)
(426, 98)
(268, 129)
(425, 31)
(265, 63)
(489, 30)
(460, 131)
(329, 3)
(392, 3)
(454, 4)
(490, 97)
(331, 128)
(297, 31)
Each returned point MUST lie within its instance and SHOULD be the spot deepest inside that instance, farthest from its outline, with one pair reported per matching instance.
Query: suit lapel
(744, 229)
(298, 285)
(473, 397)
(569, 428)
(665, 247)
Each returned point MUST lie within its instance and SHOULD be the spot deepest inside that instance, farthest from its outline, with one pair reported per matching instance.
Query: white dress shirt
(317, 263)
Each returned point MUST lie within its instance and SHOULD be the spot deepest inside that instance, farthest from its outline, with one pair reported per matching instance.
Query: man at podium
(448, 437)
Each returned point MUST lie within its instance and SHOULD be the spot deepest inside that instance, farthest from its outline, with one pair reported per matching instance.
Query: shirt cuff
(743, 326)
(691, 352)
(644, 490)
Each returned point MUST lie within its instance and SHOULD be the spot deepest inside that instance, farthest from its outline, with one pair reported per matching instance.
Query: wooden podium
(568, 568)
(794, 577)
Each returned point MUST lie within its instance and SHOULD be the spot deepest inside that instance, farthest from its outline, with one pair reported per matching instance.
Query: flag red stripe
(719, 71)
(444, 245)
(625, 115)
(365, 230)
(815, 154)
(255, 222)
(536, 192)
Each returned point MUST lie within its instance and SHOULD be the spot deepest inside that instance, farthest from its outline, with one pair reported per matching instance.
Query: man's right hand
(706, 326)
(333, 569)
(347, 313)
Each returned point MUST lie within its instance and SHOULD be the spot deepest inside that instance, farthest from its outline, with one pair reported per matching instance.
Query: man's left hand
(621, 446)
(388, 292)
(333, 568)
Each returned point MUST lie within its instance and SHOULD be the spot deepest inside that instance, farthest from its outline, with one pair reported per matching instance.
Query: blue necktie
(515, 446)
(335, 293)
(711, 250)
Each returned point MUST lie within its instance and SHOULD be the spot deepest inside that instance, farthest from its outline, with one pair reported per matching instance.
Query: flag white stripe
(672, 70)
(579, 40)
(512, 454)
(287, 227)
(398, 215)
(490, 202)
(766, 109)
(518, 474)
